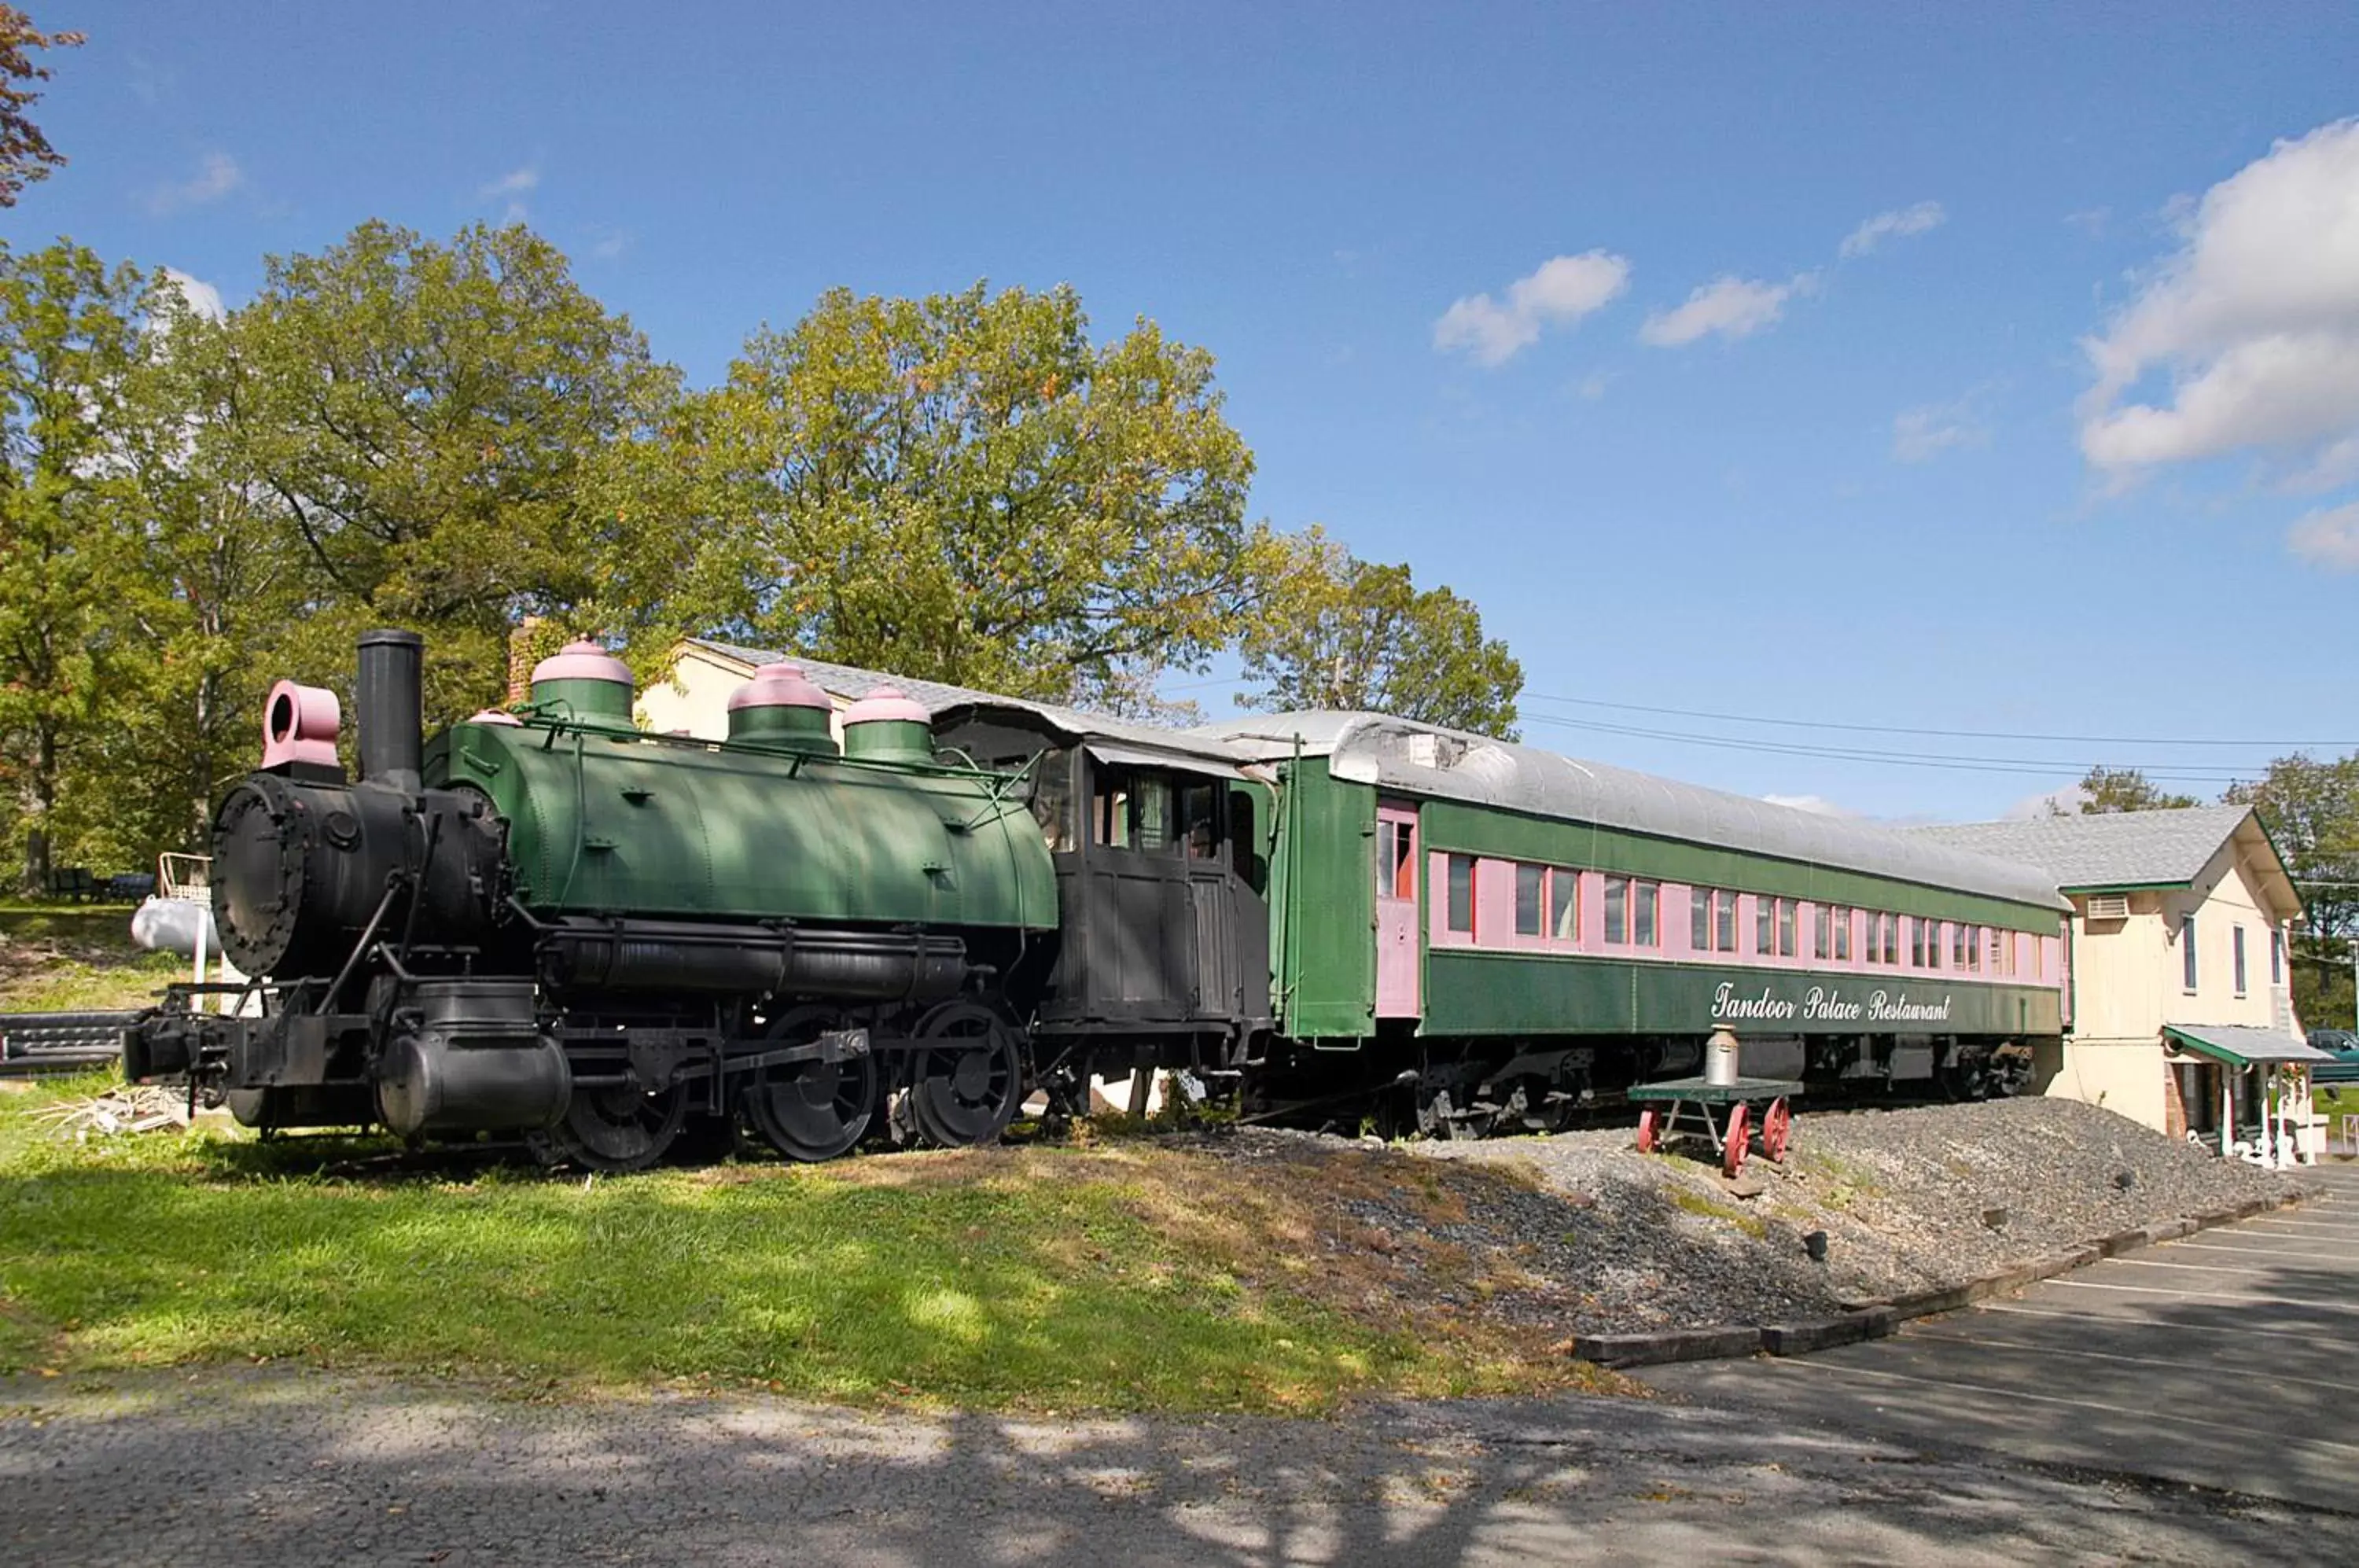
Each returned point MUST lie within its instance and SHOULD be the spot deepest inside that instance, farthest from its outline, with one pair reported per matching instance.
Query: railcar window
(1933, 944)
(1822, 933)
(1532, 892)
(1892, 939)
(1200, 808)
(1396, 860)
(1843, 936)
(1158, 832)
(1785, 914)
(1462, 894)
(1958, 946)
(1110, 811)
(1700, 919)
(1764, 925)
(1643, 899)
(1052, 797)
(1564, 900)
(1974, 949)
(1244, 845)
(1715, 921)
(1617, 910)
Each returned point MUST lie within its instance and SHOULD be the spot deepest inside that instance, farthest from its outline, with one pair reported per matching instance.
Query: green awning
(2241, 1047)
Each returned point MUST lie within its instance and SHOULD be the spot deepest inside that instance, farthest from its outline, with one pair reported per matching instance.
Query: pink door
(1397, 863)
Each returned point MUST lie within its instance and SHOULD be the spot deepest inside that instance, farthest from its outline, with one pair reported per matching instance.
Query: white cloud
(2328, 538)
(515, 183)
(216, 176)
(2254, 321)
(1817, 805)
(1591, 386)
(2066, 798)
(1732, 307)
(1898, 224)
(200, 296)
(1559, 292)
(1923, 433)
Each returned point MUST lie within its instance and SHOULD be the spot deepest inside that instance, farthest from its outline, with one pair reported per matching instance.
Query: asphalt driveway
(2225, 1360)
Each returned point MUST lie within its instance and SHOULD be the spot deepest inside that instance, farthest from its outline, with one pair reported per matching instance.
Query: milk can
(1720, 1058)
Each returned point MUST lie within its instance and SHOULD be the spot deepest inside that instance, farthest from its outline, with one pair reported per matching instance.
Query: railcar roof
(1423, 760)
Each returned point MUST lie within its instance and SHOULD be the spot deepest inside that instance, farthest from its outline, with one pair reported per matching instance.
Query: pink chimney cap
(300, 725)
(778, 686)
(581, 660)
(886, 702)
(492, 716)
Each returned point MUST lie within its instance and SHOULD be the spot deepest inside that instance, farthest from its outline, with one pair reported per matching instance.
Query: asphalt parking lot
(2223, 1360)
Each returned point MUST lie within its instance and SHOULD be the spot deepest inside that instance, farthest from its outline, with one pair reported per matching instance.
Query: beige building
(2177, 960)
(695, 701)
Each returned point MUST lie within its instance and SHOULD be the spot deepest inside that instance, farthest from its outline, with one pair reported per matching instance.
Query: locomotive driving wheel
(965, 1089)
(616, 1129)
(811, 1110)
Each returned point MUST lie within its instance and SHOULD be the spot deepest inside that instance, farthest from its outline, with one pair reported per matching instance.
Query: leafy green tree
(221, 580)
(2106, 789)
(2312, 810)
(965, 488)
(25, 155)
(70, 347)
(425, 419)
(1353, 633)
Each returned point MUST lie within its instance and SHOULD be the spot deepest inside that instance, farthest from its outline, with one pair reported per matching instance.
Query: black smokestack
(392, 708)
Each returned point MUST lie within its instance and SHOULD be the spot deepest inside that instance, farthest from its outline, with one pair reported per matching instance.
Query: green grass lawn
(77, 958)
(1121, 1277)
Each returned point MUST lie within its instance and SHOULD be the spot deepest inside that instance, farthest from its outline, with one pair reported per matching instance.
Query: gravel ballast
(1588, 1236)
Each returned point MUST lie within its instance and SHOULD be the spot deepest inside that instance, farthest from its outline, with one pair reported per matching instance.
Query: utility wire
(1945, 734)
(2025, 766)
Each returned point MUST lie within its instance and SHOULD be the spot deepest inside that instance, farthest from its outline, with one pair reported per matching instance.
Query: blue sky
(1874, 483)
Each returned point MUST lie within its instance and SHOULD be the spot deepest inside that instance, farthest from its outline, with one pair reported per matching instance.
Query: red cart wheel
(1646, 1122)
(1740, 1133)
(1777, 1128)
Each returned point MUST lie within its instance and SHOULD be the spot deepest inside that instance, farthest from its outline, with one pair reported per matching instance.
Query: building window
(2276, 958)
(1564, 900)
(1843, 936)
(1532, 892)
(1786, 915)
(2187, 951)
(1462, 894)
(1617, 910)
(2236, 948)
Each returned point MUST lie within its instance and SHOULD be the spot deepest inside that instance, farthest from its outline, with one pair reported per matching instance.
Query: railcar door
(1396, 864)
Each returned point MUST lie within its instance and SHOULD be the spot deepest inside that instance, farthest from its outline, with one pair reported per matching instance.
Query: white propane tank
(1720, 1058)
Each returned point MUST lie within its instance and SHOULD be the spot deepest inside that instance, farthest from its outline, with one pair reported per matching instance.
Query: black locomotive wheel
(965, 1090)
(614, 1130)
(811, 1111)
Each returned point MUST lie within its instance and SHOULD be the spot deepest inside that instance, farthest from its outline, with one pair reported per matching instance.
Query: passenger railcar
(1513, 934)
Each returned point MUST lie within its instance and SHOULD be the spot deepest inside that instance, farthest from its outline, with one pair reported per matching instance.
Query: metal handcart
(1672, 1099)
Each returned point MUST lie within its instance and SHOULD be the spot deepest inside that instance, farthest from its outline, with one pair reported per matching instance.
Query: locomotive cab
(1161, 852)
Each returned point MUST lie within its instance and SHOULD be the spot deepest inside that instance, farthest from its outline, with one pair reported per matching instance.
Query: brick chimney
(521, 658)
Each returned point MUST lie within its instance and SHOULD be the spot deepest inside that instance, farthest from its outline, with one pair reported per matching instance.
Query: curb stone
(1877, 1317)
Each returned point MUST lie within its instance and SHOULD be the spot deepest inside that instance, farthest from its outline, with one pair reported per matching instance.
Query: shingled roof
(2110, 849)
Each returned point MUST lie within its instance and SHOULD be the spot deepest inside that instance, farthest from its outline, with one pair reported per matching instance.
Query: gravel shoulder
(268, 1467)
(1585, 1235)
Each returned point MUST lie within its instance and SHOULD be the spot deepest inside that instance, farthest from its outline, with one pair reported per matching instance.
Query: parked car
(2342, 1045)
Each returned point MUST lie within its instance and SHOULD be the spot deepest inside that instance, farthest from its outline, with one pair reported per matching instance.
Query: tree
(1357, 635)
(424, 418)
(71, 346)
(2106, 789)
(25, 155)
(965, 488)
(2311, 812)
